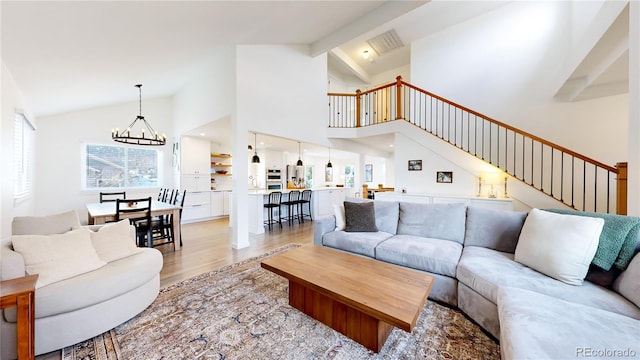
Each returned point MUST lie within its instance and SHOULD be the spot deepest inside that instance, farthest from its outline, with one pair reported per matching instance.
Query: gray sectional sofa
(83, 306)
(470, 251)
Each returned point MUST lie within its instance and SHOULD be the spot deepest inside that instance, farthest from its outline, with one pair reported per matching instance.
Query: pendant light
(329, 165)
(127, 138)
(255, 159)
(299, 163)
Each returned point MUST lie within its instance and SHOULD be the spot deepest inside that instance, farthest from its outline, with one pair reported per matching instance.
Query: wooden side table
(20, 292)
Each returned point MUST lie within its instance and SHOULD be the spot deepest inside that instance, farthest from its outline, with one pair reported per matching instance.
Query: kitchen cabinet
(496, 204)
(193, 182)
(274, 159)
(324, 199)
(217, 203)
(194, 156)
(225, 202)
(197, 206)
(220, 203)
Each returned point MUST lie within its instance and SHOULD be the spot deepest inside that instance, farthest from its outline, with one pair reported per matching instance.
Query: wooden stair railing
(569, 177)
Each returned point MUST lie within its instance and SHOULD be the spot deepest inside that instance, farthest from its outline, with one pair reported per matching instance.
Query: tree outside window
(109, 167)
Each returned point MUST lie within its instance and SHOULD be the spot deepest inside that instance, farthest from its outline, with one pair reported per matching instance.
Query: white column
(633, 202)
(240, 203)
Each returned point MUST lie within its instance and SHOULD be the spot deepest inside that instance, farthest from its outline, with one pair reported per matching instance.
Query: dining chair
(171, 195)
(179, 200)
(163, 227)
(112, 196)
(161, 194)
(305, 199)
(138, 211)
(275, 198)
(291, 204)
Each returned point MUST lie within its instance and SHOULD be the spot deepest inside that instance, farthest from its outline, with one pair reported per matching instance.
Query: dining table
(100, 213)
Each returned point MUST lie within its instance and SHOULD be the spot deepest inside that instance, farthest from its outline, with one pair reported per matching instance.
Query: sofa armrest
(322, 225)
(11, 263)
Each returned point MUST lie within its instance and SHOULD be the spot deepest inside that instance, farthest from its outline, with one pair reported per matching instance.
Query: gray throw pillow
(360, 217)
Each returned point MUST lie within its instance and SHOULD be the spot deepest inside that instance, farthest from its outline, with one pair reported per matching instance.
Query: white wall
(12, 99)
(59, 154)
(282, 91)
(390, 76)
(505, 65)
(464, 182)
(209, 96)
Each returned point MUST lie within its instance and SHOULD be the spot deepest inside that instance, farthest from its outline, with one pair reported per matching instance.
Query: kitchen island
(322, 201)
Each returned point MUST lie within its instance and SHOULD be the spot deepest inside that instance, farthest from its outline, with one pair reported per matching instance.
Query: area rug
(241, 311)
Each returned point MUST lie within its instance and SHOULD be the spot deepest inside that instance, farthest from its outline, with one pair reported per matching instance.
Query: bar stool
(292, 205)
(275, 198)
(305, 199)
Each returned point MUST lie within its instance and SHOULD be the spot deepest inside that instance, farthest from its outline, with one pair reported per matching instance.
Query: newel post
(358, 112)
(621, 189)
(398, 97)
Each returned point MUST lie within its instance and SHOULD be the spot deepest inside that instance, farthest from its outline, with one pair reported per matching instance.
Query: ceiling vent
(385, 42)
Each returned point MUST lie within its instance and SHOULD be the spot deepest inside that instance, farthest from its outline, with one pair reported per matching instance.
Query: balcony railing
(569, 177)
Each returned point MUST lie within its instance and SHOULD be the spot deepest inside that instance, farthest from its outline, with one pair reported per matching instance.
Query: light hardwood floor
(207, 246)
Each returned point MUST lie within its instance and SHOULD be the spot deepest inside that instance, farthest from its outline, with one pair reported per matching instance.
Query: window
(24, 135)
(308, 177)
(109, 167)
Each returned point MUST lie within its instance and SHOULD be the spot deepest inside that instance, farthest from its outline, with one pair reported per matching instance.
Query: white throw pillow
(559, 246)
(58, 256)
(114, 241)
(341, 222)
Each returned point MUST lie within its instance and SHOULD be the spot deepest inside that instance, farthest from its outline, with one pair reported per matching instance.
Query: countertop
(286, 191)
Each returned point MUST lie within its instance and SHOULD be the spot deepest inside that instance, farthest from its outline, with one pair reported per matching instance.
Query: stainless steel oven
(275, 180)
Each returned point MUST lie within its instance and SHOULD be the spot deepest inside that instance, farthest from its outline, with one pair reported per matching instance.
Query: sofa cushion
(363, 243)
(438, 221)
(58, 256)
(427, 254)
(493, 229)
(536, 326)
(628, 283)
(359, 217)
(114, 279)
(485, 270)
(114, 241)
(387, 213)
(44, 225)
(560, 246)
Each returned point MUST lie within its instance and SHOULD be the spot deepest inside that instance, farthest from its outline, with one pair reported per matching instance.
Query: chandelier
(125, 137)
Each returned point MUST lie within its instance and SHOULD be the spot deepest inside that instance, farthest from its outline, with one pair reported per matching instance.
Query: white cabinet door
(217, 203)
(225, 202)
(496, 204)
(325, 199)
(197, 206)
(195, 156)
(450, 200)
(195, 182)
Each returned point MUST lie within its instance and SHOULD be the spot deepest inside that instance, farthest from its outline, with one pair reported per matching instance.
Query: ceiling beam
(621, 48)
(348, 62)
(384, 13)
(595, 31)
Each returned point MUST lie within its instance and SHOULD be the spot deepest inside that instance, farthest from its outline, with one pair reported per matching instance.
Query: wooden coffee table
(360, 297)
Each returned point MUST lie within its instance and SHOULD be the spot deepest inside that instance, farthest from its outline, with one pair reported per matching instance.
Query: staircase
(571, 178)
